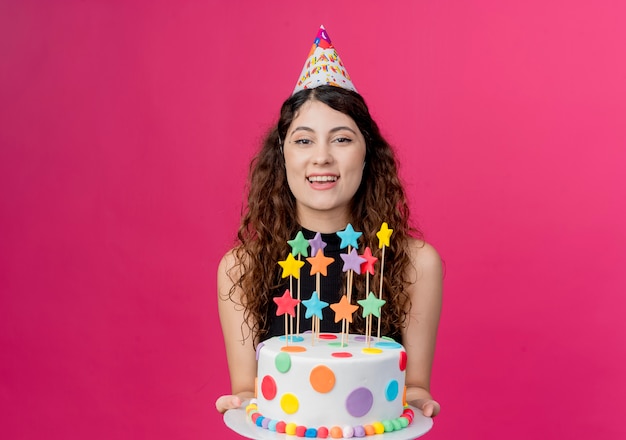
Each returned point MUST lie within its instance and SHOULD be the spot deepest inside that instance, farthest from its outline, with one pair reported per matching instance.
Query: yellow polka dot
(372, 350)
(289, 403)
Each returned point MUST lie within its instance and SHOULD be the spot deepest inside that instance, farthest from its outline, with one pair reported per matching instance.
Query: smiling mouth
(322, 179)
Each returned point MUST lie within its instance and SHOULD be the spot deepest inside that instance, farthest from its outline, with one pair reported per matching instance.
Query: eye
(342, 140)
(302, 141)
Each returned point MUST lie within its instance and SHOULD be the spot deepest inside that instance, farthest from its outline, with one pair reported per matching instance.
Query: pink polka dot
(327, 336)
(268, 387)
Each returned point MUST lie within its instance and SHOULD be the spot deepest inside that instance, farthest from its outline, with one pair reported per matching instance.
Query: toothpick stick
(298, 306)
(380, 291)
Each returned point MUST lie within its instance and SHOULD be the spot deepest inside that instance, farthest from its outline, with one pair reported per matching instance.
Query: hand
(429, 407)
(224, 403)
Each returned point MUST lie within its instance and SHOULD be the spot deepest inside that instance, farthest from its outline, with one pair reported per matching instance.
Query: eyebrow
(332, 130)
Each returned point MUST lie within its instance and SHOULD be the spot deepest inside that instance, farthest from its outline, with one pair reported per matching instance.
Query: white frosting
(378, 373)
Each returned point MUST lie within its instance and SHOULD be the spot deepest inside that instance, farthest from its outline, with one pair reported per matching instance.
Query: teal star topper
(299, 245)
(314, 306)
(349, 237)
(371, 305)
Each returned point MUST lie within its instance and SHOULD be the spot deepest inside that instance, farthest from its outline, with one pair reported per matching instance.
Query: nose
(322, 154)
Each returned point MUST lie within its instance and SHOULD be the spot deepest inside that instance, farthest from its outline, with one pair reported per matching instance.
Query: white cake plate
(236, 420)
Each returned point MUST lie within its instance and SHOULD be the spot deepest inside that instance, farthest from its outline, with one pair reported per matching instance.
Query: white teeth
(323, 179)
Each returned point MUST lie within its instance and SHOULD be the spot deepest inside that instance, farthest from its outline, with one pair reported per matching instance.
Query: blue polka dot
(391, 392)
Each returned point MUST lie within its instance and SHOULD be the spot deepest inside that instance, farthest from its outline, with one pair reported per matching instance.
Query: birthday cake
(337, 386)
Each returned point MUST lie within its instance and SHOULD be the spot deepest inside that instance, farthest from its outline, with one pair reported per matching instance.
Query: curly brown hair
(269, 218)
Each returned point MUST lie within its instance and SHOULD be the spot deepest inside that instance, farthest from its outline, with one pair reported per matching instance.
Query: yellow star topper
(291, 266)
(384, 234)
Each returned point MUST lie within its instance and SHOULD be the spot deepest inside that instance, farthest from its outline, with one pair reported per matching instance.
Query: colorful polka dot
(292, 338)
(359, 402)
(391, 392)
(322, 379)
(268, 387)
(338, 344)
(289, 403)
(258, 349)
(256, 386)
(283, 362)
(341, 354)
(387, 344)
(293, 348)
(402, 360)
(327, 336)
(371, 350)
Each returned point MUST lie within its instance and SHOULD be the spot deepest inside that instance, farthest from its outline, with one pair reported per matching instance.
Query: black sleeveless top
(332, 287)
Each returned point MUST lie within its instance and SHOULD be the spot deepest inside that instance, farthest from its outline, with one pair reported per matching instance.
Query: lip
(322, 183)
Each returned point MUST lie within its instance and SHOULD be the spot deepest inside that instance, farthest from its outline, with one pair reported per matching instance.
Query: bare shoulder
(228, 272)
(425, 258)
(228, 262)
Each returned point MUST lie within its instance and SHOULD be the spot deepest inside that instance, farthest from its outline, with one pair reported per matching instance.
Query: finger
(429, 407)
(224, 403)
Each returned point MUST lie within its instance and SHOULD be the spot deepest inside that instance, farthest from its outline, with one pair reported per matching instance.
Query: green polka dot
(338, 344)
(283, 362)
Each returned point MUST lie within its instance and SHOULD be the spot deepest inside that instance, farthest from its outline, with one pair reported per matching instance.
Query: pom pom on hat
(323, 66)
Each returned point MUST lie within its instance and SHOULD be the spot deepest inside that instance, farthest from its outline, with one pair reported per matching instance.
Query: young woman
(324, 165)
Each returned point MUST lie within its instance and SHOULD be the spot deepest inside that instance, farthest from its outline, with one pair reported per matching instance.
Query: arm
(420, 333)
(240, 353)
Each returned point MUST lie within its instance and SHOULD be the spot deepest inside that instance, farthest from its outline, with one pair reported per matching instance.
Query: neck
(324, 222)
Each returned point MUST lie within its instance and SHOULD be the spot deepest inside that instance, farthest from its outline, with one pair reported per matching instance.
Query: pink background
(125, 134)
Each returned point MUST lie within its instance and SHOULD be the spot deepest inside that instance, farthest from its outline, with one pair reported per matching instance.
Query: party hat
(323, 66)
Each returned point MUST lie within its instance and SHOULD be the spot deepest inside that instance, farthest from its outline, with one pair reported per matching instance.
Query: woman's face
(324, 157)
